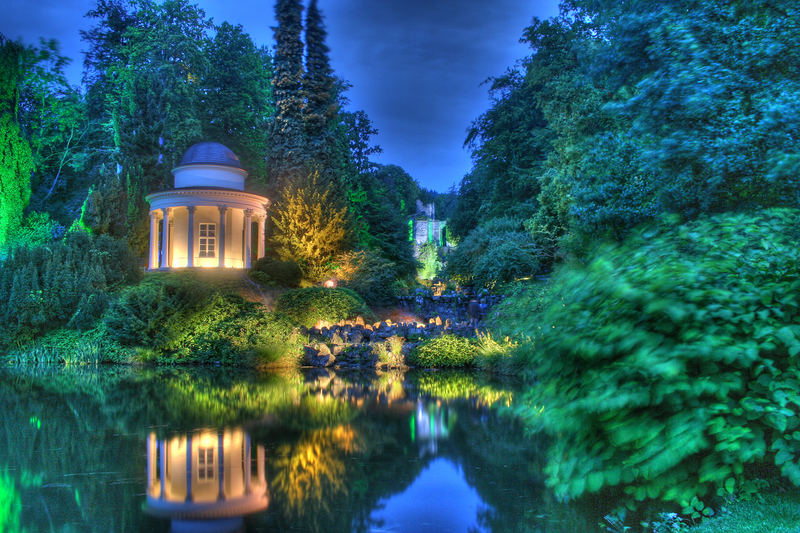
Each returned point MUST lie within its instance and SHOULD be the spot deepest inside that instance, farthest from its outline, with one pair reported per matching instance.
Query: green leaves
(658, 359)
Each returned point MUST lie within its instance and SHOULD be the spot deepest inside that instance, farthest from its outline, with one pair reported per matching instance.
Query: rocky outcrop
(356, 344)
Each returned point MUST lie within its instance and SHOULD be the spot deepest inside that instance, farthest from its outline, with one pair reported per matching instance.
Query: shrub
(496, 356)
(430, 264)
(149, 313)
(497, 251)
(284, 273)
(175, 319)
(447, 351)
(668, 364)
(63, 282)
(511, 316)
(308, 306)
(374, 279)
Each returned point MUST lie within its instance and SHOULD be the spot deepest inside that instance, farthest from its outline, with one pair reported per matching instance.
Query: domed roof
(210, 153)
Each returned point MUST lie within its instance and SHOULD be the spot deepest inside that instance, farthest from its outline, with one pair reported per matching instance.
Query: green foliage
(773, 511)
(499, 357)
(668, 364)
(447, 351)
(36, 230)
(16, 167)
(497, 251)
(181, 319)
(236, 102)
(308, 306)
(511, 316)
(287, 132)
(310, 225)
(374, 279)
(61, 283)
(430, 264)
(10, 504)
(149, 314)
(284, 273)
(71, 347)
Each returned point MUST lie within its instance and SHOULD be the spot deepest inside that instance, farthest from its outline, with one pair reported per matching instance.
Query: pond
(126, 449)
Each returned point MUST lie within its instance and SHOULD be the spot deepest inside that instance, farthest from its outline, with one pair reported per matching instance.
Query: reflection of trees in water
(69, 464)
(10, 505)
(310, 472)
(335, 447)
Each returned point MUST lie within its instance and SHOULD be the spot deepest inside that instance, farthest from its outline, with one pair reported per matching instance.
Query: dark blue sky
(416, 65)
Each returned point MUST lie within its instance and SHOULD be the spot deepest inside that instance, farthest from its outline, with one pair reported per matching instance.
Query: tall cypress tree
(287, 139)
(321, 108)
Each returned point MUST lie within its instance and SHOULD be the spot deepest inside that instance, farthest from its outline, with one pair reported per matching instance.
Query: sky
(417, 66)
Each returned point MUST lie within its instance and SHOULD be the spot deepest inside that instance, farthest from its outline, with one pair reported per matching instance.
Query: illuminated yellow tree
(310, 225)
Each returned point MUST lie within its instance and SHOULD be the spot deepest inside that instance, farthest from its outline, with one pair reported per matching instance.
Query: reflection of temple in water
(429, 424)
(204, 480)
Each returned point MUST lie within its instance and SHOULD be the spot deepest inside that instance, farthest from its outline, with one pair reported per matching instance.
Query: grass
(774, 512)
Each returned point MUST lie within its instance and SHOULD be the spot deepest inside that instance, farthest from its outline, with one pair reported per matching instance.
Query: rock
(448, 324)
(312, 357)
(322, 348)
(337, 340)
(338, 349)
(359, 321)
(438, 321)
(355, 337)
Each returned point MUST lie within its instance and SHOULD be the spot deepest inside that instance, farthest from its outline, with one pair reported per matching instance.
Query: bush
(447, 351)
(669, 364)
(175, 319)
(284, 273)
(63, 282)
(430, 264)
(308, 306)
(148, 314)
(497, 251)
(374, 279)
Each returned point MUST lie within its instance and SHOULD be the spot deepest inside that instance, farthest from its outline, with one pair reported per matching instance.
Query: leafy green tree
(153, 98)
(497, 251)
(236, 97)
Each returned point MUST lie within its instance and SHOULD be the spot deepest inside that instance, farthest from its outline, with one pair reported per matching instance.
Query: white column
(221, 235)
(262, 478)
(261, 223)
(152, 261)
(248, 237)
(221, 467)
(165, 239)
(190, 237)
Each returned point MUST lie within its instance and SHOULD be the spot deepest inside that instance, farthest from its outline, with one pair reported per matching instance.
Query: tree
(286, 157)
(310, 225)
(152, 65)
(16, 160)
(321, 107)
(236, 98)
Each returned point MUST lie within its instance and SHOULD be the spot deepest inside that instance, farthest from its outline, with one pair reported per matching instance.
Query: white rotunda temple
(207, 219)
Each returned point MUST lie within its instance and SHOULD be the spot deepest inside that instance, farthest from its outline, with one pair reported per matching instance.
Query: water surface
(123, 449)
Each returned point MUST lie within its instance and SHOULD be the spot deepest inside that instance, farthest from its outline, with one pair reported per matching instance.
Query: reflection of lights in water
(203, 481)
(429, 425)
